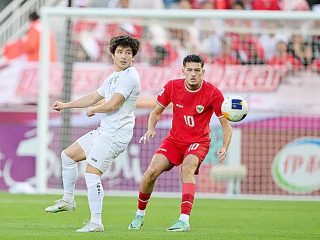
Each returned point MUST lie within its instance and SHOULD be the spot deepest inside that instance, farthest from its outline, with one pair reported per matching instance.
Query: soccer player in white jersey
(101, 146)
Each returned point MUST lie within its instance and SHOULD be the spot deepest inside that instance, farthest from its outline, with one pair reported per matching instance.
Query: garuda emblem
(199, 108)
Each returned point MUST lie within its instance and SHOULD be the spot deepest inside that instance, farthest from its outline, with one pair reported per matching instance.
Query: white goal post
(264, 159)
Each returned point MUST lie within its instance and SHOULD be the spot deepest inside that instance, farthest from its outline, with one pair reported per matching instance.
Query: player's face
(193, 73)
(122, 58)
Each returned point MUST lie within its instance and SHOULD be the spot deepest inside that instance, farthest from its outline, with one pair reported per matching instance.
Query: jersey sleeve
(164, 96)
(125, 86)
(217, 100)
(102, 89)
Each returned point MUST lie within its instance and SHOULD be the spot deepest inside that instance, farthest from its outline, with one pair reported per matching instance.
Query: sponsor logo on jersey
(179, 105)
(199, 108)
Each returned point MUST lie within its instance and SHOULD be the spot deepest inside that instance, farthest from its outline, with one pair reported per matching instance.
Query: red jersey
(192, 110)
(265, 5)
(287, 60)
(225, 60)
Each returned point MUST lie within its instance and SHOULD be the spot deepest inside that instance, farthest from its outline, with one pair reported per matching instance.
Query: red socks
(188, 191)
(143, 200)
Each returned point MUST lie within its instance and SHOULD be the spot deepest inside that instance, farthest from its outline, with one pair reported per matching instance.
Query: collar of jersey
(124, 69)
(193, 91)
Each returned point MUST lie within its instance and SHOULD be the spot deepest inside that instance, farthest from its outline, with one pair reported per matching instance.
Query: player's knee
(66, 160)
(151, 174)
(188, 169)
(93, 170)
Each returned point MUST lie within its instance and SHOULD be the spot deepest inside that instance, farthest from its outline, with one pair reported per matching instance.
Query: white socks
(184, 218)
(140, 212)
(69, 177)
(95, 196)
(94, 186)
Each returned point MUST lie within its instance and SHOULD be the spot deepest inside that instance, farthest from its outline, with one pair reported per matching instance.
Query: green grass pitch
(22, 217)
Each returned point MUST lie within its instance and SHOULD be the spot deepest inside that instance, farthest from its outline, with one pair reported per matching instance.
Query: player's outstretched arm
(58, 106)
(82, 102)
(114, 103)
(227, 134)
(152, 122)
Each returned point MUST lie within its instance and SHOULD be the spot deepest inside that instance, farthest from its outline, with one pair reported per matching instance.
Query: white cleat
(61, 206)
(91, 227)
(136, 223)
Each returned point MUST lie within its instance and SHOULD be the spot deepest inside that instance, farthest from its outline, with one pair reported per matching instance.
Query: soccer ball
(234, 108)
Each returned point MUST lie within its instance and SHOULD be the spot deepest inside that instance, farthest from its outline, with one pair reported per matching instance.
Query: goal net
(272, 59)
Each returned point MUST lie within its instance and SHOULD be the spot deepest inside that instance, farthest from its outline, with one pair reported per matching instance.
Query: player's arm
(114, 103)
(82, 102)
(152, 122)
(145, 103)
(227, 134)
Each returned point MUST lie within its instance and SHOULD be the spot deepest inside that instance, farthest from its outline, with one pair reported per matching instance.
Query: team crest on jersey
(115, 80)
(199, 108)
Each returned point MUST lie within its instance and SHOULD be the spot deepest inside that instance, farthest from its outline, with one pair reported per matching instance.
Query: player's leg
(105, 149)
(194, 156)
(95, 196)
(188, 168)
(69, 158)
(159, 164)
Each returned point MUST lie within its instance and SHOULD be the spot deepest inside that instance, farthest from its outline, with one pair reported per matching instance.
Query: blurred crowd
(204, 4)
(239, 42)
(28, 47)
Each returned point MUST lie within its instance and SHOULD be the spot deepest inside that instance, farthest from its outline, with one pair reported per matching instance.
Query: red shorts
(176, 152)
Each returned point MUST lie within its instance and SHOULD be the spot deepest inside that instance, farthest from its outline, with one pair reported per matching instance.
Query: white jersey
(127, 83)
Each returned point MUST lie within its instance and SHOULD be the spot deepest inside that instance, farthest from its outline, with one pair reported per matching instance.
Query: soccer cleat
(60, 206)
(91, 227)
(179, 226)
(136, 223)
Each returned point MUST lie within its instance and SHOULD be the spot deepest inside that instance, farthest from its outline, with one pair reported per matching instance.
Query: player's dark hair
(239, 3)
(124, 41)
(193, 58)
(33, 16)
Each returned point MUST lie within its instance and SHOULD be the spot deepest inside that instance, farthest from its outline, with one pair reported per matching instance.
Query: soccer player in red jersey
(194, 101)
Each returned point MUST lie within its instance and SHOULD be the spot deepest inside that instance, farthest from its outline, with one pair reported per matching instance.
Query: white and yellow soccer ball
(234, 108)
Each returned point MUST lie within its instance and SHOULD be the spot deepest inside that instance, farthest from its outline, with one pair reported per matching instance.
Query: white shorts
(102, 148)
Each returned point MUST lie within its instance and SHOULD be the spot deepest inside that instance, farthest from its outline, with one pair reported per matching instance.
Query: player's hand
(222, 153)
(90, 112)
(146, 137)
(58, 106)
